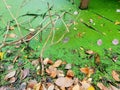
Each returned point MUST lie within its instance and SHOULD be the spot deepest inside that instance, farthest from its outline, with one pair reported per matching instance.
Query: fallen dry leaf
(57, 63)
(102, 87)
(97, 59)
(90, 52)
(47, 61)
(88, 71)
(31, 84)
(70, 73)
(60, 73)
(64, 82)
(68, 66)
(53, 74)
(76, 87)
(38, 86)
(12, 80)
(35, 63)
(10, 75)
(51, 87)
(52, 71)
(111, 87)
(24, 73)
(115, 75)
(85, 85)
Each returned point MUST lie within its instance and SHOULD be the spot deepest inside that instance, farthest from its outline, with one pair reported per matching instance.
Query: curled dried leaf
(57, 63)
(102, 87)
(12, 80)
(64, 82)
(70, 73)
(90, 52)
(115, 75)
(10, 75)
(88, 71)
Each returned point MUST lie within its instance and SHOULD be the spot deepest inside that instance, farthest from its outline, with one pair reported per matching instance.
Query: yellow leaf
(91, 88)
(117, 23)
(1, 55)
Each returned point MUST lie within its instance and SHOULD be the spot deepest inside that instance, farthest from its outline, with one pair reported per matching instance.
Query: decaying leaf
(68, 66)
(88, 71)
(12, 80)
(31, 84)
(47, 61)
(97, 59)
(115, 75)
(102, 87)
(35, 63)
(70, 73)
(60, 73)
(76, 87)
(38, 86)
(111, 87)
(57, 63)
(85, 85)
(51, 87)
(24, 73)
(90, 52)
(10, 75)
(64, 82)
(52, 71)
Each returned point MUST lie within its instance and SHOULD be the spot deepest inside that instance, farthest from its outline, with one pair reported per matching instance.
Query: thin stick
(65, 25)
(13, 17)
(52, 22)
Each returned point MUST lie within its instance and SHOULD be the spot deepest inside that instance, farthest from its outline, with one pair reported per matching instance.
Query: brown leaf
(76, 87)
(97, 59)
(24, 73)
(60, 73)
(12, 80)
(70, 73)
(90, 52)
(84, 70)
(52, 71)
(85, 85)
(68, 66)
(9, 75)
(111, 87)
(88, 71)
(31, 84)
(38, 86)
(51, 87)
(115, 75)
(102, 87)
(53, 74)
(64, 82)
(35, 63)
(47, 61)
(57, 63)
